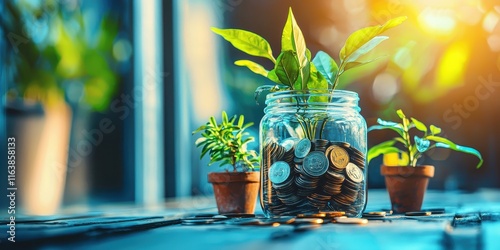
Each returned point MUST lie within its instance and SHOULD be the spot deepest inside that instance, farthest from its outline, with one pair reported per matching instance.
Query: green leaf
(326, 66)
(308, 55)
(422, 144)
(367, 47)
(445, 143)
(435, 130)
(382, 148)
(398, 127)
(224, 117)
(400, 113)
(247, 42)
(360, 37)
(419, 125)
(241, 121)
(200, 140)
(316, 79)
(401, 140)
(253, 66)
(287, 68)
(271, 75)
(292, 39)
(213, 122)
(304, 75)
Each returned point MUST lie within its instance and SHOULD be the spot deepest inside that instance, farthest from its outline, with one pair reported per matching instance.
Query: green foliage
(413, 150)
(45, 68)
(226, 142)
(293, 67)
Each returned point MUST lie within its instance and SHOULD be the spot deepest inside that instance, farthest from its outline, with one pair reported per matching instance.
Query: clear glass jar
(312, 147)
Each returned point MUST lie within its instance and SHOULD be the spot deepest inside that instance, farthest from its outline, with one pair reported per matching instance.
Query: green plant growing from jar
(312, 137)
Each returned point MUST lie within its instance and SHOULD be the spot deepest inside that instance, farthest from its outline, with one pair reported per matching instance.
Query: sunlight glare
(451, 68)
(438, 21)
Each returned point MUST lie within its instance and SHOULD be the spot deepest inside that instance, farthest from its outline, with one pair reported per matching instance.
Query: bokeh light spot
(122, 50)
(494, 43)
(490, 21)
(385, 86)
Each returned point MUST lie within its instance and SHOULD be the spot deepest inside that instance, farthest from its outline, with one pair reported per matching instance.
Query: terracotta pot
(235, 192)
(406, 186)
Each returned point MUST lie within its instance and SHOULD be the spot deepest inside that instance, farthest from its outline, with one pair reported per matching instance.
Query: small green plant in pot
(226, 143)
(407, 181)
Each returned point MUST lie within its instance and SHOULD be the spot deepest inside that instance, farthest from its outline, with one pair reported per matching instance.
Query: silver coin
(302, 148)
(354, 172)
(288, 144)
(279, 172)
(315, 164)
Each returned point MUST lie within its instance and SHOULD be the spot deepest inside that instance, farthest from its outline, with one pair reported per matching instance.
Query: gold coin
(339, 157)
(351, 220)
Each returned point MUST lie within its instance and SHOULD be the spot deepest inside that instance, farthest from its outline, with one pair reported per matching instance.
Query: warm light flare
(438, 21)
(451, 68)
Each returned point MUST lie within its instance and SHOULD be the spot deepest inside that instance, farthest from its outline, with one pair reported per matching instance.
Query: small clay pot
(235, 192)
(406, 186)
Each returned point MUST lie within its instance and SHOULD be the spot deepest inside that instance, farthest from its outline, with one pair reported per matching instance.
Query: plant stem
(337, 76)
(406, 134)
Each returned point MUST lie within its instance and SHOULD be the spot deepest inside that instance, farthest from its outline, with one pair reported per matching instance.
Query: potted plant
(407, 181)
(307, 119)
(226, 143)
(48, 66)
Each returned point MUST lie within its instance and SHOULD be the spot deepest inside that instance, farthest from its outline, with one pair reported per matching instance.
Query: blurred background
(117, 87)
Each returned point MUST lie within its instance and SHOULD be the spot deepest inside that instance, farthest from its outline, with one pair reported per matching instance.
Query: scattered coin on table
(351, 220)
(375, 214)
(418, 213)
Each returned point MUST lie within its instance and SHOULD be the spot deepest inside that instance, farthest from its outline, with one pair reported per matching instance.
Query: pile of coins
(304, 176)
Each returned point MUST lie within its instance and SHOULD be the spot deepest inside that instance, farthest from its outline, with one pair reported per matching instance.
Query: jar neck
(312, 99)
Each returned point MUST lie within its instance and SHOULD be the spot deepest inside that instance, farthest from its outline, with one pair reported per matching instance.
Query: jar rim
(302, 99)
(326, 92)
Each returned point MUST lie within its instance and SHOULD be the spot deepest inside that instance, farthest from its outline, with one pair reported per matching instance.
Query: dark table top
(470, 221)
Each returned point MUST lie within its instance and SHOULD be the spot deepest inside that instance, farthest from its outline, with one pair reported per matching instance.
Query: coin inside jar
(339, 157)
(302, 148)
(354, 172)
(315, 164)
(279, 172)
(288, 144)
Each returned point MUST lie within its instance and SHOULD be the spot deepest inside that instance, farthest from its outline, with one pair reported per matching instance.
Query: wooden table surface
(470, 221)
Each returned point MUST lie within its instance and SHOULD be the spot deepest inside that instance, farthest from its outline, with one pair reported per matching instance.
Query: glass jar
(312, 147)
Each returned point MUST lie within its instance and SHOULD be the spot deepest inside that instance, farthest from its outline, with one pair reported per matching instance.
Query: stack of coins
(271, 153)
(333, 182)
(289, 155)
(282, 178)
(357, 157)
(352, 185)
(304, 176)
(320, 145)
